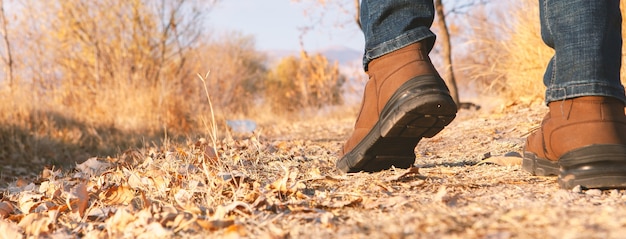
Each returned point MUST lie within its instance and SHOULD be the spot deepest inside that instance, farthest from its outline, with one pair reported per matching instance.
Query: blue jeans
(585, 34)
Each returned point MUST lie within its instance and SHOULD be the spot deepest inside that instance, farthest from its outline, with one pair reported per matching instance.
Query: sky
(277, 24)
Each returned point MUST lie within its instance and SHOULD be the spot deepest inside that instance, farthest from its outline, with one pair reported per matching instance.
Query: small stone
(594, 192)
(513, 154)
(577, 189)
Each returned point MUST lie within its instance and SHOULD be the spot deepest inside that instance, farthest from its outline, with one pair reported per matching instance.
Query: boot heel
(595, 166)
(538, 166)
(421, 107)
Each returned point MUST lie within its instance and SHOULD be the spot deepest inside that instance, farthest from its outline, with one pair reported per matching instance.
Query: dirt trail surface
(282, 183)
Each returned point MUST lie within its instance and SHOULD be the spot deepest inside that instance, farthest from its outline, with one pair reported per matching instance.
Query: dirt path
(282, 183)
(456, 196)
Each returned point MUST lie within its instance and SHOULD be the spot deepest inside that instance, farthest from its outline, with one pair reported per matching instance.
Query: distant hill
(344, 55)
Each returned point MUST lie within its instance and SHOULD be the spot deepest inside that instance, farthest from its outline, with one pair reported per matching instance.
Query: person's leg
(404, 99)
(583, 137)
(587, 39)
(391, 25)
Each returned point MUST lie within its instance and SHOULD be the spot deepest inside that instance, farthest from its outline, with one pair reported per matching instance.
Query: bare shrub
(92, 73)
(304, 82)
(110, 56)
(237, 72)
(507, 56)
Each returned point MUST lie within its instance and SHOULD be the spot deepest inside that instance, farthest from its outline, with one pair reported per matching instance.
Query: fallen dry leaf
(20, 182)
(278, 146)
(93, 166)
(183, 197)
(287, 185)
(118, 222)
(9, 230)
(79, 199)
(160, 183)
(28, 201)
(38, 224)
(97, 213)
(117, 195)
(404, 173)
(235, 231)
(156, 230)
(210, 155)
(213, 225)
(135, 181)
(50, 174)
(6, 209)
(223, 211)
(183, 221)
(51, 189)
(233, 175)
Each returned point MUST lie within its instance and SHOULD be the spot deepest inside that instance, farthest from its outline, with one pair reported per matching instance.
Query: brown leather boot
(404, 100)
(583, 141)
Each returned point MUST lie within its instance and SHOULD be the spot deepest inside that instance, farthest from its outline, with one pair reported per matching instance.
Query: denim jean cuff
(410, 37)
(556, 93)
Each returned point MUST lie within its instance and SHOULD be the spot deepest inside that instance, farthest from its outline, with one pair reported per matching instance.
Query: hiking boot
(583, 141)
(405, 100)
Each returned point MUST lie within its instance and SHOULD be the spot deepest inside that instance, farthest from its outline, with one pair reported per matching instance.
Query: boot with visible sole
(582, 141)
(404, 101)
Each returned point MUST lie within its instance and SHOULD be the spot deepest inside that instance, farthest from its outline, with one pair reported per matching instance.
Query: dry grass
(526, 56)
(506, 55)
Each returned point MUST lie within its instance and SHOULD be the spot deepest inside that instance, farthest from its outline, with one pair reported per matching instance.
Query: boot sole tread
(420, 108)
(594, 166)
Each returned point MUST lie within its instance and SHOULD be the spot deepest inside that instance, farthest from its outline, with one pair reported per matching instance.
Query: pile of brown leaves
(182, 191)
